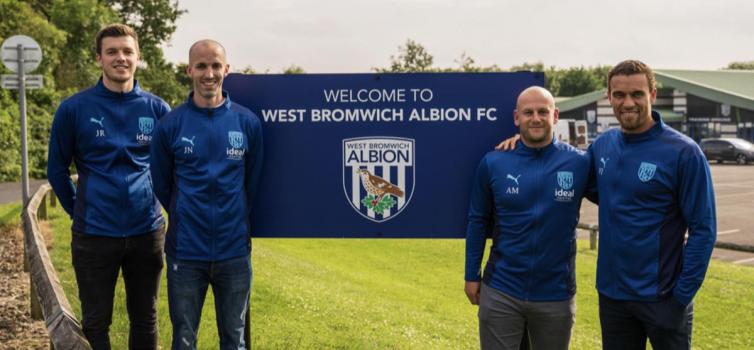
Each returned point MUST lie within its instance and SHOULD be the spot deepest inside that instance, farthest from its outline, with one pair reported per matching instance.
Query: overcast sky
(347, 36)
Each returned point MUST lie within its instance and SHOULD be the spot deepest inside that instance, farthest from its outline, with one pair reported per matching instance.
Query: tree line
(66, 30)
(413, 57)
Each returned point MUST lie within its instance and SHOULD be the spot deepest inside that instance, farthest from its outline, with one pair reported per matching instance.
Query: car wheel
(741, 159)
(719, 161)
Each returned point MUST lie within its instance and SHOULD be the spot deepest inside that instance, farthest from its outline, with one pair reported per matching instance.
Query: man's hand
(472, 291)
(509, 144)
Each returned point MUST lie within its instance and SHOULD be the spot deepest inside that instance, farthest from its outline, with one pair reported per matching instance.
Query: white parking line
(720, 233)
(743, 261)
(737, 185)
(735, 195)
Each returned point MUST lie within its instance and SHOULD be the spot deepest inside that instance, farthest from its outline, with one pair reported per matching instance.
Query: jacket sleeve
(253, 163)
(697, 200)
(161, 165)
(59, 156)
(480, 217)
(163, 109)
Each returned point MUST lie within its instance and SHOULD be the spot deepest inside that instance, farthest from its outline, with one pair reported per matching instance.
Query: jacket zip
(213, 179)
(121, 143)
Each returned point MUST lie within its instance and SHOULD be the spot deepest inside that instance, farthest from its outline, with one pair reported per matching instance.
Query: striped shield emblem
(378, 175)
(565, 179)
(235, 138)
(146, 125)
(646, 171)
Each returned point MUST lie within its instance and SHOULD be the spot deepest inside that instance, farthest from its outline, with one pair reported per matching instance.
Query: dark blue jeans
(97, 261)
(627, 324)
(187, 287)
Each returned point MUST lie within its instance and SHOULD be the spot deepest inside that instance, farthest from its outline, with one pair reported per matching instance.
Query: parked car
(738, 150)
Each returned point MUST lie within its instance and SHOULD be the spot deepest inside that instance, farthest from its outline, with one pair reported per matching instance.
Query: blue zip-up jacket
(530, 200)
(652, 187)
(107, 135)
(206, 164)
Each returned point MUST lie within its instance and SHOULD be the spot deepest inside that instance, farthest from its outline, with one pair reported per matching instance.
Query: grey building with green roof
(699, 103)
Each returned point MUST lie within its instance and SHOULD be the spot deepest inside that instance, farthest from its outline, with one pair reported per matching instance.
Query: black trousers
(627, 324)
(97, 261)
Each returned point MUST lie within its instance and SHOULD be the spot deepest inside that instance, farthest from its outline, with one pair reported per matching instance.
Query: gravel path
(17, 329)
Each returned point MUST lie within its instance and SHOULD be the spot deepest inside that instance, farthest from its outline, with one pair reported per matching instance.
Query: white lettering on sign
(283, 115)
(441, 114)
(348, 115)
(356, 115)
(386, 114)
(364, 95)
(378, 152)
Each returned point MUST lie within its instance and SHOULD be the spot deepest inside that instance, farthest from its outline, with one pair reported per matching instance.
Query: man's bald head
(535, 92)
(206, 44)
(535, 116)
(207, 68)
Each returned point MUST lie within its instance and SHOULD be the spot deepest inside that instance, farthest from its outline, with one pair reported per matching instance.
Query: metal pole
(22, 110)
(22, 107)
(36, 310)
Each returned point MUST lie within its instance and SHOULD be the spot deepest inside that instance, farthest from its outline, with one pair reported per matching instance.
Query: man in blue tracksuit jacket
(529, 199)
(206, 163)
(654, 184)
(106, 131)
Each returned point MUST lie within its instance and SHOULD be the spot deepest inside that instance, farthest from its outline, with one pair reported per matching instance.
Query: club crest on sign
(235, 138)
(565, 179)
(378, 175)
(646, 171)
(146, 125)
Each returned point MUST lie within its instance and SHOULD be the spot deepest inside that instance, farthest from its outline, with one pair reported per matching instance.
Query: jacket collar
(103, 90)
(649, 134)
(531, 151)
(223, 107)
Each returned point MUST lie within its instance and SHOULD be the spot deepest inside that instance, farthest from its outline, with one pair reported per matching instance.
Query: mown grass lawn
(10, 214)
(400, 294)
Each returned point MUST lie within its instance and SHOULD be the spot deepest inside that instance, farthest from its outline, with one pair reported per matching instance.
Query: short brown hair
(631, 67)
(114, 30)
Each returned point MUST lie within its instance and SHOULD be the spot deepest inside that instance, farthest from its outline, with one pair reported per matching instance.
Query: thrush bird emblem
(377, 187)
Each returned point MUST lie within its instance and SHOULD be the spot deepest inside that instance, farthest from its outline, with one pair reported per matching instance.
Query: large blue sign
(374, 155)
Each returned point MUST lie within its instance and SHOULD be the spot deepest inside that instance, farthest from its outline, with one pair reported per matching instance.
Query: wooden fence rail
(47, 294)
(593, 231)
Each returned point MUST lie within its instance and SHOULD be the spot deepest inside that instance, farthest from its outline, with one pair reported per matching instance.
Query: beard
(635, 121)
(530, 137)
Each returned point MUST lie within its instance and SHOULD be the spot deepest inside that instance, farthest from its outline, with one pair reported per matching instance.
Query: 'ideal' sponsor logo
(143, 139)
(234, 153)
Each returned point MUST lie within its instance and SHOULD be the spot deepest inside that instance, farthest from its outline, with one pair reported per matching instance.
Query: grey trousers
(502, 319)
